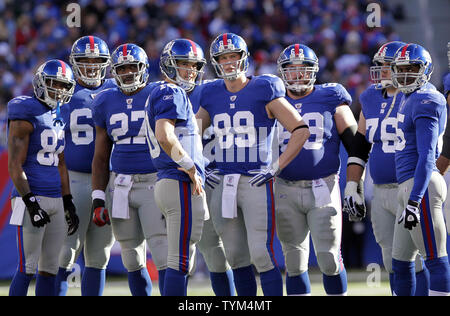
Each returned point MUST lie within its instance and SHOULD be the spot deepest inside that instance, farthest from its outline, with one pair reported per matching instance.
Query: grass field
(200, 286)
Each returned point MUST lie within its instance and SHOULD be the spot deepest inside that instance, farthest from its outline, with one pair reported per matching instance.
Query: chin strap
(58, 119)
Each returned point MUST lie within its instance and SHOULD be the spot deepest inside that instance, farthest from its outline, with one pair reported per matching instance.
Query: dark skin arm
(100, 163)
(18, 141)
(64, 174)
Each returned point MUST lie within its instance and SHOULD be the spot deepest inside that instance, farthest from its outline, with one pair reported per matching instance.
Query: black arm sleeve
(358, 148)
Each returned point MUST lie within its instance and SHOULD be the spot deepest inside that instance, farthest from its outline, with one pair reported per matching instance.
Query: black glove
(71, 216)
(411, 215)
(101, 215)
(38, 216)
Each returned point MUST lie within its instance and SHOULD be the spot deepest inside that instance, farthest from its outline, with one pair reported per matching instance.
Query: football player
(180, 60)
(120, 141)
(307, 190)
(377, 125)
(89, 59)
(243, 111)
(176, 150)
(421, 118)
(41, 184)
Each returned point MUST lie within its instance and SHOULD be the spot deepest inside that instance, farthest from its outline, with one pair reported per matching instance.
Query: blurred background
(337, 30)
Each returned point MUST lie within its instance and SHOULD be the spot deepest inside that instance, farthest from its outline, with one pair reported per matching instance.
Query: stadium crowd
(34, 31)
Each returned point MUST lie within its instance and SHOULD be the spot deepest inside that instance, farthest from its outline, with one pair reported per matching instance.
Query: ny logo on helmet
(88, 49)
(60, 73)
(294, 56)
(229, 45)
(128, 57)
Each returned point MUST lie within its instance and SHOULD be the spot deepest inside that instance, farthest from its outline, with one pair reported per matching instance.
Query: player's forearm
(64, 174)
(19, 180)
(295, 144)
(100, 174)
(354, 172)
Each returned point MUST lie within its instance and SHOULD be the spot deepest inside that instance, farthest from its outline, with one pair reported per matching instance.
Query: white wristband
(186, 162)
(98, 194)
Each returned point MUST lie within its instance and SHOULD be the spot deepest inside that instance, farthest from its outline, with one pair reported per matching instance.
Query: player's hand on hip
(196, 179)
(100, 215)
(354, 202)
(263, 176)
(38, 216)
(411, 215)
(211, 178)
(70, 213)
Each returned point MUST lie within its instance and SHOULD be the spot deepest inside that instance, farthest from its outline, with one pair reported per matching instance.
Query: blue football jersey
(381, 132)
(168, 101)
(243, 131)
(123, 118)
(319, 156)
(208, 135)
(426, 103)
(80, 127)
(46, 143)
(447, 84)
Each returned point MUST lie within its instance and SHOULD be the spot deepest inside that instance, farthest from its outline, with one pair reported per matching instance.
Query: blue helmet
(411, 54)
(229, 43)
(384, 55)
(303, 76)
(44, 80)
(130, 54)
(91, 74)
(183, 50)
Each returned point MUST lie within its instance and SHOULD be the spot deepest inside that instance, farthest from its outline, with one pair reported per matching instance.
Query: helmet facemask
(240, 65)
(381, 75)
(90, 73)
(195, 76)
(406, 81)
(299, 78)
(46, 90)
(130, 81)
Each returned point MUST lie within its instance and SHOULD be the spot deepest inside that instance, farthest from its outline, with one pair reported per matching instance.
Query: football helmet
(303, 75)
(91, 74)
(187, 50)
(48, 80)
(229, 43)
(130, 54)
(411, 54)
(384, 55)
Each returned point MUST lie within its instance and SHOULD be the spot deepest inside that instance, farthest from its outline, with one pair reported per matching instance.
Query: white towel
(122, 187)
(17, 212)
(205, 206)
(229, 195)
(321, 193)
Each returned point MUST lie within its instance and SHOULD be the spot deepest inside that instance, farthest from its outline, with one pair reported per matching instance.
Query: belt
(304, 183)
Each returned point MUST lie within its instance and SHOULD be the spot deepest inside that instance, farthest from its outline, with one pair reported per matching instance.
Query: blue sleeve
(342, 95)
(171, 103)
(98, 113)
(18, 110)
(427, 130)
(278, 90)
